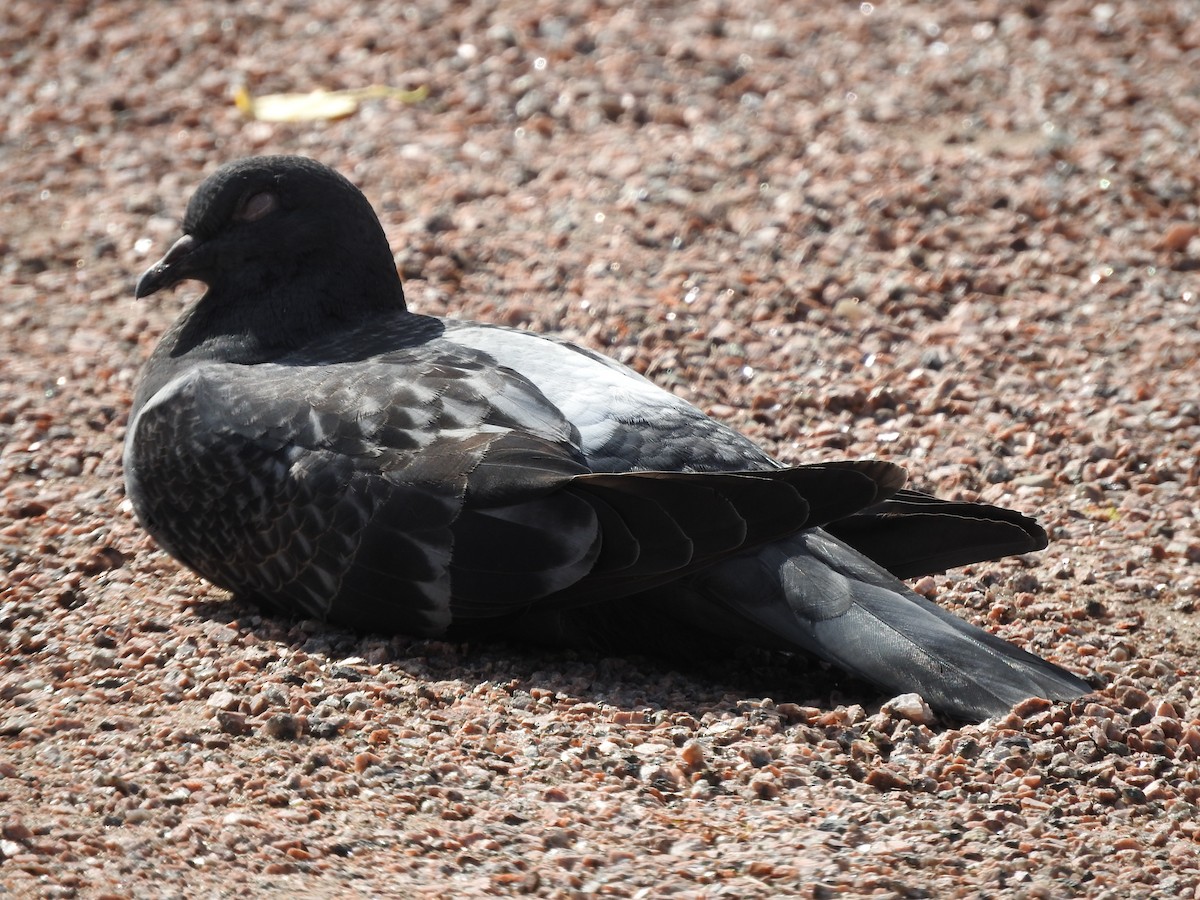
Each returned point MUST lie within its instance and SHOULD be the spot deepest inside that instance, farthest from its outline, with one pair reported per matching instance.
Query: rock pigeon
(300, 437)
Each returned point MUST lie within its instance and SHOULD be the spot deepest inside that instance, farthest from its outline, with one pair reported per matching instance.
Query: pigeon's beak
(177, 265)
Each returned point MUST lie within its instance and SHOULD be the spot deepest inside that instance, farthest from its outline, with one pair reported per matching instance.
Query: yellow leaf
(317, 105)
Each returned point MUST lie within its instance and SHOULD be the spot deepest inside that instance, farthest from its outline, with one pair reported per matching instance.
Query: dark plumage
(299, 436)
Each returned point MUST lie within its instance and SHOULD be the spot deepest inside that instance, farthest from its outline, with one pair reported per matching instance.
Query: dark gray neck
(203, 335)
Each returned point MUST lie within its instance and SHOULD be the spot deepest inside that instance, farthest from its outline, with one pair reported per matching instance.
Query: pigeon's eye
(256, 206)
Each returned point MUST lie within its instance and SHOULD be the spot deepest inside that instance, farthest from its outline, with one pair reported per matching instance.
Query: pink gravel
(960, 235)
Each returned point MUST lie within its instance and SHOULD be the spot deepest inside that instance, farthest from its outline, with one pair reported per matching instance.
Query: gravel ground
(961, 235)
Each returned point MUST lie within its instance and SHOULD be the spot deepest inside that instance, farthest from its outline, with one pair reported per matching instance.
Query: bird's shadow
(633, 682)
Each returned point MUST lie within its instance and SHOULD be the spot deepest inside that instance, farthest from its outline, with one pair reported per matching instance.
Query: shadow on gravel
(699, 683)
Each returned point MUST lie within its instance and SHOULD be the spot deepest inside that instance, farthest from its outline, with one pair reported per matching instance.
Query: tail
(802, 559)
(911, 534)
(814, 593)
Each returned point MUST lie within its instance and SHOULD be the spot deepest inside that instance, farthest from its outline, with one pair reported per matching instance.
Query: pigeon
(301, 438)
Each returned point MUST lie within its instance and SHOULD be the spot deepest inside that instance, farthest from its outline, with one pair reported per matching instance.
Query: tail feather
(814, 593)
(912, 534)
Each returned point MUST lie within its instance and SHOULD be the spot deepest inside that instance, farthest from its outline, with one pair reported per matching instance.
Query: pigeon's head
(281, 234)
